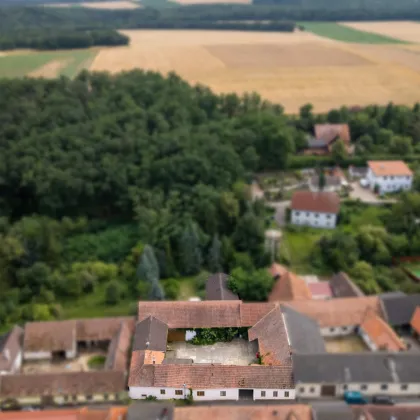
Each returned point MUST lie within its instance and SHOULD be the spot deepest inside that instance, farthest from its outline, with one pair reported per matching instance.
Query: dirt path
(49, 70)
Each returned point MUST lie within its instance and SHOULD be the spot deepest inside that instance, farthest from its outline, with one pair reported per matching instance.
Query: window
(286, 394)
(162, 392)
(345, 387)
(262, 393)
(106, 397)
(328, 216)
(385, 178)
(363, 387)
(297, 213)
(307, 214)
(343, 328)
(89, 397)
(275, 394)
(391, 177)
(200, 393)
(223, 393)
(66, 398)
(312, 389)
(404, 387)
(384, 387)
(316, 214)
(74, 397)
(178, 392)
(331, 329)
(302, 389)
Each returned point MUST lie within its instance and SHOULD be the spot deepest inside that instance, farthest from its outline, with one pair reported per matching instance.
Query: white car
(364, 182)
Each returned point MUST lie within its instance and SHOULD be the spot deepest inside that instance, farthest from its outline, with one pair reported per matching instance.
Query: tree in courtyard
(339, 151)
(251, 285)
(321, 180)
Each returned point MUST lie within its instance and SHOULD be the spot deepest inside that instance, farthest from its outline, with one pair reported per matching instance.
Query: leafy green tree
(148, 271)
(339, 151)
(114, 292)
(251, 285)
(249, 234)
(321, 180)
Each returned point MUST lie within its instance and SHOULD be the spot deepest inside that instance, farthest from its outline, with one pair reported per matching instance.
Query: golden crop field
(288, 68)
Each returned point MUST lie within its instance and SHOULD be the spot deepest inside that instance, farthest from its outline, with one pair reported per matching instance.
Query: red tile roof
(289, 286)
(207, 314)
(389, 167)
(248, 412)
(329, 132)
(320, 289)
(415, 320)
(338, 312)
(320, 202)
(380, 333)
(200, 376)
(272, 338)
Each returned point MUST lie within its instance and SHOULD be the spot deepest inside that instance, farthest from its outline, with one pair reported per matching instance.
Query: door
(328, 391)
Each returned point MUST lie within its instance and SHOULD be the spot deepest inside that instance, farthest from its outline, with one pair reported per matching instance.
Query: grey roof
(357, 367)
(150, 334)
(177, 361)
(400, 309)
(314, 143)
(304, 332)
(334, 410)
(330, 181)
(150, 411)
(390, 295)
(342, 286)
(217, 288)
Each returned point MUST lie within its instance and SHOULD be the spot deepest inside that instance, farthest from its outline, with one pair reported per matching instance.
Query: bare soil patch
(261, 56)
(49, 70)
(402, 30)
(346, 344)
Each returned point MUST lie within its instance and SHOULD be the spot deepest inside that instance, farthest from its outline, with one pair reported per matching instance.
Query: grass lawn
(187, 288)
(297, 246)
(343, 33)
(369, 215)
(96, 362)
(19, 65)
(93, 305)
(413, 267)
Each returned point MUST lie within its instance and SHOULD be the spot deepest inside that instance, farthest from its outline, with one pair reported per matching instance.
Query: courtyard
(84, 362)
(237, 352)
(346, 344)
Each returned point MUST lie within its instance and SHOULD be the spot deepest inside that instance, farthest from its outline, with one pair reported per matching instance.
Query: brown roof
(139, 358)
(209, 376)
(321, 202)
(65, 383)
(321, 289)
(380, 333)
(415, 320)
(338, 312)
(50, 336)
(272, 338)
(248, 412)
(389, 167)
(289, 286)
(10, 346)
(217, 288)
(277, 270)
(330, 132)
(150, 334)
(117, 356)
(343, 286)
(207, 314)
(101, 328)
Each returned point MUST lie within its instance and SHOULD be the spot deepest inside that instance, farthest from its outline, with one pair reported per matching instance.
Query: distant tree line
(57, 39)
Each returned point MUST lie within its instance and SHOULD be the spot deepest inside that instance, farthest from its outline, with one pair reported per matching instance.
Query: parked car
(383, 400)
(354, 397)
(364, 183)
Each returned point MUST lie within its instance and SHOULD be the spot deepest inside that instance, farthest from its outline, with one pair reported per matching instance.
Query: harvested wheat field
(50, 69)
(402, 30)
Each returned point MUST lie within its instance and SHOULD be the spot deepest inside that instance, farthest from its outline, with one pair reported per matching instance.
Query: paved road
(367, 196)
(280, 215)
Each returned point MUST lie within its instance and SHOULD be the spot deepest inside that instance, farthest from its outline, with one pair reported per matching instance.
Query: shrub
(96, 362)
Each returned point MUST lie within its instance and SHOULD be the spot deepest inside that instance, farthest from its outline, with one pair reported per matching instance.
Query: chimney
(147, 344)
(153, 360)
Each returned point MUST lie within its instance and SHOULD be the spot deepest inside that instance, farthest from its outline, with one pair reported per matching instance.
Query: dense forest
(55, 39)
(101, 170)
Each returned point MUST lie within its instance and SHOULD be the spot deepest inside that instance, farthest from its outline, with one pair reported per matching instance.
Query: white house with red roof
(389, 176)
(316, 209)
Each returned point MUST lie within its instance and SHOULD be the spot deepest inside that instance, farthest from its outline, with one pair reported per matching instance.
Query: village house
(153, 373)
(331, 375)
(315, 209)
(389, 176)
(46, 376)
(11, 351)
(325, 135)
